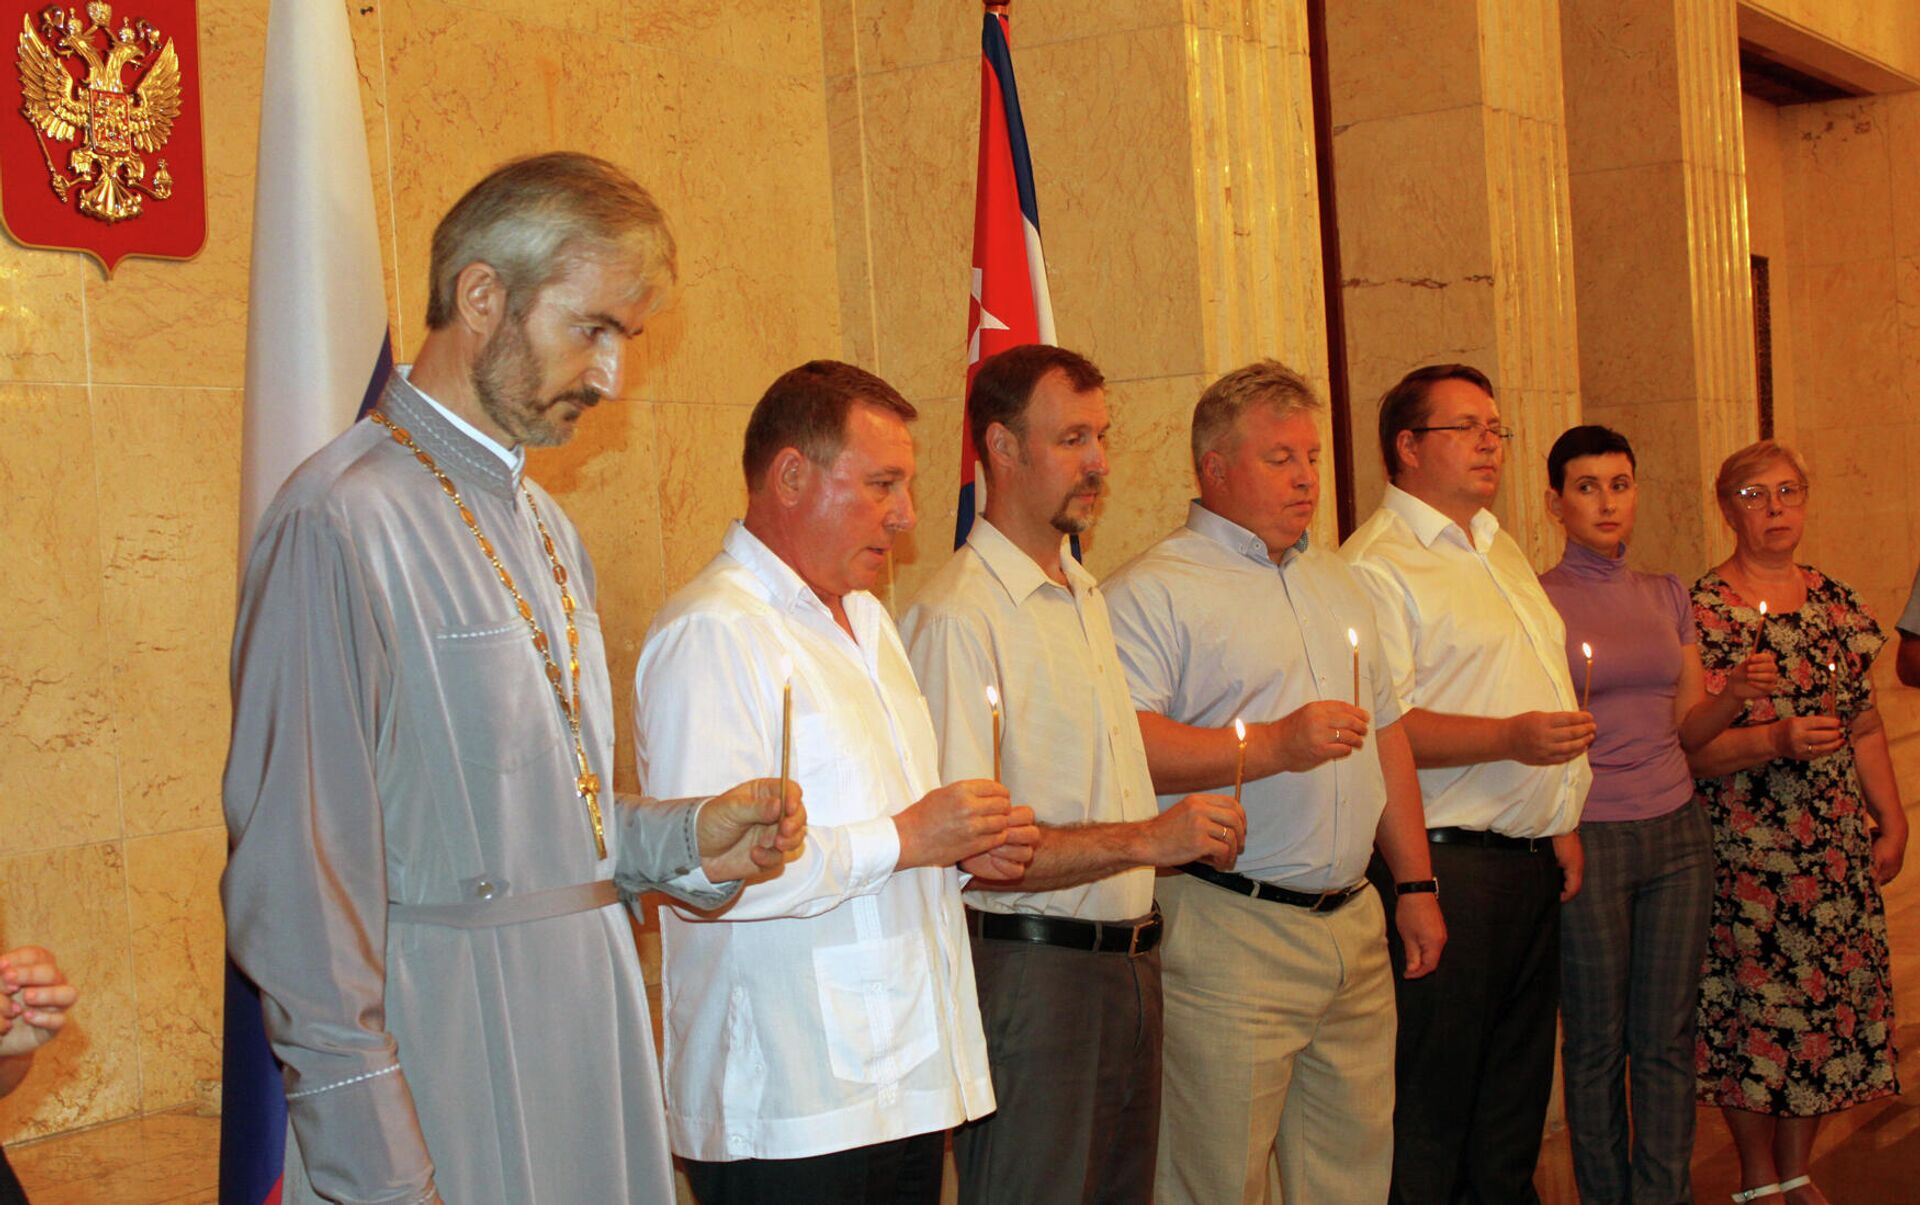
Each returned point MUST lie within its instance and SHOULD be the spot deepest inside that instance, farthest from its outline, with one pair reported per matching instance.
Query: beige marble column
(1661, 254)
(1450, 160)
(1173, 155)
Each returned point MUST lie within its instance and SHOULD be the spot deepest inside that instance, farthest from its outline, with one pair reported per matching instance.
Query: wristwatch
(1417, 887)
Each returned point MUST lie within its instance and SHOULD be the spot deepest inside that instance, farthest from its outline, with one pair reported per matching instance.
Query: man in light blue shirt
(1278, 986)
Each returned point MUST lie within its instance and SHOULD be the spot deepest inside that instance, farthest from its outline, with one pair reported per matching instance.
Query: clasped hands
(34, 999)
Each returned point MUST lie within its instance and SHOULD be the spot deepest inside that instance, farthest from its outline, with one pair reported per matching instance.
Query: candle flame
(1763, 608)
(1240, 730)
(1353, 638)
(1832, 668)
(993, 697)
(1587, 649)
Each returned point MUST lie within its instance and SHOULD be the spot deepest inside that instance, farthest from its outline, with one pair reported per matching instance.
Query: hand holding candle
(993, 705)
(1586, 692)
(1240, 757)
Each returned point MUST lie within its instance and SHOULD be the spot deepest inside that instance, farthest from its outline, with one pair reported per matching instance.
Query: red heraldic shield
(100, 144)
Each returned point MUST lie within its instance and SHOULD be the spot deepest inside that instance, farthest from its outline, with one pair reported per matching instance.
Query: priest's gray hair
(533, 219)
(1261, 383)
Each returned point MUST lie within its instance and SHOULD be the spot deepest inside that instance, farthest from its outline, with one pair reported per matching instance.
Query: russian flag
(318, 354)
(1008, 305)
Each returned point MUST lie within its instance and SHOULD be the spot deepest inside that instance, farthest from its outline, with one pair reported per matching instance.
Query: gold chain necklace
(588, 784)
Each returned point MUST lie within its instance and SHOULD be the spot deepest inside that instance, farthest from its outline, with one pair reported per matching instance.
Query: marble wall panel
(42, 328)
(1902, 116)
(169, 544)
(57, 757)
(889, 35)
(1620, 71)
(158, 322)
(1845, 342)
(919, 129)
(754, 221)
(73, 901)
(1395, 60)
(936, 491)
(701, 488)
(1625, 220)
(179, 962)
(1842, 172)
(1150, 452)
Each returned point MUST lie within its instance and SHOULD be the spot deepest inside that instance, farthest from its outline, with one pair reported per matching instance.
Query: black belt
(1487, 839)
(1100, 937)
(1324, 901)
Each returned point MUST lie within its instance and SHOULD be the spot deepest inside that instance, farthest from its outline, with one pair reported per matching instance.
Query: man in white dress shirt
(1476, 651)
(821, 1030)
(1279, 995)
(1066, 960)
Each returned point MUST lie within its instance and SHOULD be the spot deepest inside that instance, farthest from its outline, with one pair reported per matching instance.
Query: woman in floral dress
(1796, 1004)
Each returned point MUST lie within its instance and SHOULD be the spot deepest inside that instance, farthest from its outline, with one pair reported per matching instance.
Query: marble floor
(1870, 1154)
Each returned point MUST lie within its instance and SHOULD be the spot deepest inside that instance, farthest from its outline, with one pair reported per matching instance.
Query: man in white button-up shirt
(1476, 651)
(1068, 970)
(1279, 996)
(821, 1030)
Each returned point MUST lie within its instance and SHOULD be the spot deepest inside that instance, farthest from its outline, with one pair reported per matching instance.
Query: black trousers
(906, 1171)
(10, 1191)
(1473, 1064)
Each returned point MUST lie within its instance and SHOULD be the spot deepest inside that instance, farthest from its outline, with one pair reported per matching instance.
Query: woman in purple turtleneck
(1632, 941)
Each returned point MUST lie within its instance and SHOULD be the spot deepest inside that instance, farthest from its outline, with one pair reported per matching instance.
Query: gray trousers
(1074, 1042)
(1631, 946)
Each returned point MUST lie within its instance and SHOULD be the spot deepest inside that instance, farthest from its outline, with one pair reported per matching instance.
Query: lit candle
(1353, 642)
(993, 705)
(1586, 692)
(1240, 759)
(1760, 629)
(786, 725)
(1833, 689)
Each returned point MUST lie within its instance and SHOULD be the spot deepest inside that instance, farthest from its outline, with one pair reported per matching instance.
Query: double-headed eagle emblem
(112, 125)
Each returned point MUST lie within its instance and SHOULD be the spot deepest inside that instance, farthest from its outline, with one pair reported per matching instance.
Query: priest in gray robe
(426, 869)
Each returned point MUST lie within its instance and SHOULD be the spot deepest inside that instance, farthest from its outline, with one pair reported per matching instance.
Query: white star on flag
(985, 321)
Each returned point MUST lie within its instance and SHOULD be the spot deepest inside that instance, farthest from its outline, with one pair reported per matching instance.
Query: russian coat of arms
(113, 126)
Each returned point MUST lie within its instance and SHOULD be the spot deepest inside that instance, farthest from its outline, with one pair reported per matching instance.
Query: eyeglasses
(1499, 431)
(1792, 495)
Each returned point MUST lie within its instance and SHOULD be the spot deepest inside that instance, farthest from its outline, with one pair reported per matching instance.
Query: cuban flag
(1008, 304)
(318, 354)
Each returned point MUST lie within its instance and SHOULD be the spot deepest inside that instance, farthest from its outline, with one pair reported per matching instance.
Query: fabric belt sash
(508, 909)
(1322, 901)
(1130, 937)
(1487, 839)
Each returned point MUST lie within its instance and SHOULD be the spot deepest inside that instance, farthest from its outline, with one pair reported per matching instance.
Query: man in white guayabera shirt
(821, 1029)
(424, 861)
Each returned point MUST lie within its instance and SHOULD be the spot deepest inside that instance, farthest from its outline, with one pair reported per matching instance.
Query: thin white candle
(993, 705)
(1586, 692)
(1240, 759)
(1353, 642)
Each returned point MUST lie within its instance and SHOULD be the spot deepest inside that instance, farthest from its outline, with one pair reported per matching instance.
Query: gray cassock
(399, 793)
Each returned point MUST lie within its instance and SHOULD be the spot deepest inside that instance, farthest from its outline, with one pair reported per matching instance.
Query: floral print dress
(1796, 998)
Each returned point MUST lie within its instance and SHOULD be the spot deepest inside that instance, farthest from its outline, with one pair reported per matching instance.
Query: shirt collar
(1235, 538)
(1429, 524)
(785, 587)
(514, 458)
(1019, 574)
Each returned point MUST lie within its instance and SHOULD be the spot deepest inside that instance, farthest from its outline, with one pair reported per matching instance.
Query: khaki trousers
(1280, 1028)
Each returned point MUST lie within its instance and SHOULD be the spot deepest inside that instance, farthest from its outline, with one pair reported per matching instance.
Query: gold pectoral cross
(588, 784)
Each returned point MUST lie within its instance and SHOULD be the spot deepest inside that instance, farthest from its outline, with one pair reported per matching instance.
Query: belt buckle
(1133, 940)
(1322, 904)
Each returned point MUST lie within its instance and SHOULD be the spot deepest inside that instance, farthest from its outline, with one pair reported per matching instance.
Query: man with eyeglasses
(1475, 650)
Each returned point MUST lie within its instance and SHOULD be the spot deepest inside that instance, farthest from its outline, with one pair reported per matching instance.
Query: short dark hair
(807, 408)
(1404, 407)
(1004, 383)
(1589, 440)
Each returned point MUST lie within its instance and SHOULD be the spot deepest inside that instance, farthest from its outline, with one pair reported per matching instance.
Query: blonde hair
(532, 219)
(1261, 383)
(1735, 469)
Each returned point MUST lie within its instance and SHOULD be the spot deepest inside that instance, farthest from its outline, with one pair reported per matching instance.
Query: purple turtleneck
(1637, 624)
